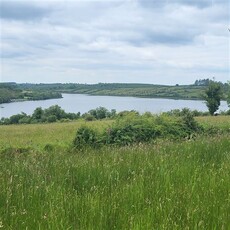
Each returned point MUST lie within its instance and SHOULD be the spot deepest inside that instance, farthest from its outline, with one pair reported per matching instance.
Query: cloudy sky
(91, 41)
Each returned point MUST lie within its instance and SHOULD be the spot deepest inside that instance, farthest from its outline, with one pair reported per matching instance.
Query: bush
(25, 120)
(128, 131)
(15, 118)
(89, 117)
(51, 118)
(85, 137)
(133, 128)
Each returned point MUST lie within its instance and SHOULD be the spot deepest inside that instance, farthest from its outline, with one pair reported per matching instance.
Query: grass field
(161, 185)
(38, 135)
(222, 122)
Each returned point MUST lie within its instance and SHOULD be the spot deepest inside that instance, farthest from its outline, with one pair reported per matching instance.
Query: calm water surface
(83, 103)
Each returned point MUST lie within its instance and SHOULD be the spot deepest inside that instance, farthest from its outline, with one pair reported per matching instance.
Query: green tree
(38, 113)
(56, 111)
(99, 113)
(228, 96)
(213, 95)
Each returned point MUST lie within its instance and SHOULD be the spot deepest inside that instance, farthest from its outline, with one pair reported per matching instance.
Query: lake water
(83, 103)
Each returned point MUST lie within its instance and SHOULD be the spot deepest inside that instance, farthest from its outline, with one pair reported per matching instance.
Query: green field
(159, 185)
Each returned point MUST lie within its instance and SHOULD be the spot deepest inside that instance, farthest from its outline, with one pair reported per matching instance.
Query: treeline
(10, 92)
(40, 95)
(56, 113)
(51, 114)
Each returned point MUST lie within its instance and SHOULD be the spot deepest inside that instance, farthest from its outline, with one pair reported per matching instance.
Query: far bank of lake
(83, 103)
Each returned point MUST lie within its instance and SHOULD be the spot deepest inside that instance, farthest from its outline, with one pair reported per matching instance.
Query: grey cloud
(15, 54)
(19, 10)
(167, 38)
(194, 3)
(154, 38)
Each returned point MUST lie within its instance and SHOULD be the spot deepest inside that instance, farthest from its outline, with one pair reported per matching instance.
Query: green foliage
(133, 128)
(8, 92)
(51, 118)
(25, 120)
(38, 113)
(202, 82)
(51, 114)
(85, 137)
(187, 118)
(182, 112)
(101, 113)
(88, 117)
(228, 95)
(15, 92)
(213, 95)
(40, 95)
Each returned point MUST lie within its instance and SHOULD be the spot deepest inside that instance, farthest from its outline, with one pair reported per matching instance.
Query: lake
(83, 103)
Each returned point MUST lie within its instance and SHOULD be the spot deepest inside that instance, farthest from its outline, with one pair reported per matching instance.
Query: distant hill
(12, 91)
(16, 92)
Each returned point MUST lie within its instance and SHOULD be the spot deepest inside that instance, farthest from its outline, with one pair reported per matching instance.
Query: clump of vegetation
(184, 111)
(85, 137)
(99, 114)
(130, 128)
(56, 113)
(52, 114)
(213, 95)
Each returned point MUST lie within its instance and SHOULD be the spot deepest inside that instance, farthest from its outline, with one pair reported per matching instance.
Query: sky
(139, 41)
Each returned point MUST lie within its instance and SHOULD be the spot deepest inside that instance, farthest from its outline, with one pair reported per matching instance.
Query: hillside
(10, 92)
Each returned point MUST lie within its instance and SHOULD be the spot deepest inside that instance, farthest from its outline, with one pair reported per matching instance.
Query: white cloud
(115, 41)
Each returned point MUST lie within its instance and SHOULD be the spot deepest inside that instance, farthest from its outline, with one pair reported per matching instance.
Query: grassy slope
(139, 90)
(38, 135)
(162, 186)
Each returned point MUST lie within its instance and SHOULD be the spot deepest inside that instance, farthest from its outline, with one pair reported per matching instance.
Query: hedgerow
(135, 128)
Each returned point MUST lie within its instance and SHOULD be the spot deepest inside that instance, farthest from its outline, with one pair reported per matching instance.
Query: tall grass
(168, 185)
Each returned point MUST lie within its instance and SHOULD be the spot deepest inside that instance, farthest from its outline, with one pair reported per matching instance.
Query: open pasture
(158, 185)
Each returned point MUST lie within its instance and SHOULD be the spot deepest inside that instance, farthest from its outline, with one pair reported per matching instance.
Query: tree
(38, 113)
(228, 96)
(99, 113)
(55, 110)
(213, 95)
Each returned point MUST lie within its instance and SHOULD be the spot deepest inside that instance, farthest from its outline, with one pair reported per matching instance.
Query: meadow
(163, 184)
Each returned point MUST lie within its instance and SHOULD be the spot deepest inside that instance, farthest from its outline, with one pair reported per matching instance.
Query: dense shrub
(51, 118)
(89, 117)
(25, 120)
(134, 128)
(131, 129)
(15, 118)
(85, 137)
